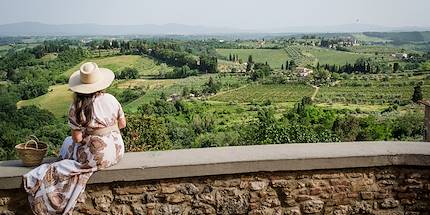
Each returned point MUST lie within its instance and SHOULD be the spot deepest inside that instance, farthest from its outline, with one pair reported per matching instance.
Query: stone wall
(373, 190)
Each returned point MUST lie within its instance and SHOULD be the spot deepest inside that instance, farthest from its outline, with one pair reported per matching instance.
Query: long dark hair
(84, 108)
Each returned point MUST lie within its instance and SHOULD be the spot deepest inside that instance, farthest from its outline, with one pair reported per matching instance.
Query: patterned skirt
(56, 187)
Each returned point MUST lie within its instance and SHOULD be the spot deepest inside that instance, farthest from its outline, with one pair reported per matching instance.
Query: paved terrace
(245, 159)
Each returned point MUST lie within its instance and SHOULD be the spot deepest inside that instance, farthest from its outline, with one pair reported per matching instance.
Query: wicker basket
(32, 152)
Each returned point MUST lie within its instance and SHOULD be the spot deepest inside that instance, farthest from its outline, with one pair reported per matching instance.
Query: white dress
(54, 188)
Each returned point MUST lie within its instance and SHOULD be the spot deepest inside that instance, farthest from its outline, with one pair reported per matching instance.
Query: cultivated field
(375, 94)
(261, 93)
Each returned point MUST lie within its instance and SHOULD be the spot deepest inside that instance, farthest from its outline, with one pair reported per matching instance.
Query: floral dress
(56, 187)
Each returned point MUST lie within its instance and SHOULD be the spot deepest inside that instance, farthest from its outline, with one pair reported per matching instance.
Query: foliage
(146, 132)
(33, 89)
(180, 72)
(17, 124)
(259, 71)
(128, 73)
(211, 86)
(130, 94)
(418, 95)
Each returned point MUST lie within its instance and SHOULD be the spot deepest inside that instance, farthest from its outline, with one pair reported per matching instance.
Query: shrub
(129, 73)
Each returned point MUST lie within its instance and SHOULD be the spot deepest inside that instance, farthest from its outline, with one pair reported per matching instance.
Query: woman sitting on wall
(95, 118)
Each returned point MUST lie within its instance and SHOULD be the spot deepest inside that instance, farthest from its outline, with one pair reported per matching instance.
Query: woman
(95, 118)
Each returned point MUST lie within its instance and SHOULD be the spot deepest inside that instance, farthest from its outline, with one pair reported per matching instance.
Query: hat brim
(75, 84)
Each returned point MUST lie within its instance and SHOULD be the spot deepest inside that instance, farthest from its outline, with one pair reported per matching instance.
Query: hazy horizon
(240, 14)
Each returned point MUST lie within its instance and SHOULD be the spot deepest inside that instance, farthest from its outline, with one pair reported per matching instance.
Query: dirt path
(315, 92)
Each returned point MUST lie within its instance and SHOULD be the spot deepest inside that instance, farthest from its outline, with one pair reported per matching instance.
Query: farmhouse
(304, 72)
(400, 55)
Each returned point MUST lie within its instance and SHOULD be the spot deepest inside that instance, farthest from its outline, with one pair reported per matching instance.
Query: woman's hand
(121, 123)
(77, 136)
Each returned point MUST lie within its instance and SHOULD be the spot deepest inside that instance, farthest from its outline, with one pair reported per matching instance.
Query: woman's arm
(77, 136)
(121, 123)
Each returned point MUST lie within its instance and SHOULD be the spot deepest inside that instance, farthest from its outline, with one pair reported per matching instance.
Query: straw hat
(90, 78)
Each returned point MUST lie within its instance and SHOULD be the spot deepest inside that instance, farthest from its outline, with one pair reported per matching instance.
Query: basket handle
(33, 137)
(25, 145)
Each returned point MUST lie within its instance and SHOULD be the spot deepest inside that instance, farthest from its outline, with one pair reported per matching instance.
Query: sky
(240, 14)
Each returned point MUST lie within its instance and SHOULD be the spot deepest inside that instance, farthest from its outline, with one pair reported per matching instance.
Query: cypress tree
(250, 59)
(418, 95)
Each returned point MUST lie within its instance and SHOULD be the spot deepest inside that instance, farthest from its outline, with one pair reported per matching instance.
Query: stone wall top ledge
(245, 159)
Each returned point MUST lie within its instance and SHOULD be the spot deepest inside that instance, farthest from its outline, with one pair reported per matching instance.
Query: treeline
(30, 75)
(401, 37)
(361, 65)
(172, 53)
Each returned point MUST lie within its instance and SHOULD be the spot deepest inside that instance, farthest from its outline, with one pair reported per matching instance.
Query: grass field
(274, 57)
(329, 56)
(260, 93)
(145, 65)
(57, 100)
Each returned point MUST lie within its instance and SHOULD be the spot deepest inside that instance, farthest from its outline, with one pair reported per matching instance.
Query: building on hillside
(303, 71)
(400, 55)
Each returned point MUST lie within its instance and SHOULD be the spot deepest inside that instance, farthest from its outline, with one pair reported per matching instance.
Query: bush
(130, 94)
(129, 73)
(146, 133)
(33, 89)
(211, 86)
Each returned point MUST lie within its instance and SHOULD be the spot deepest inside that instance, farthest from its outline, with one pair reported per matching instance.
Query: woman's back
(107, 111)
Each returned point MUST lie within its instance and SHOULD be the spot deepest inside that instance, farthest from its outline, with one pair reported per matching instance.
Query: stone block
(121, 210)
(389, 203)
(367, 195)
(188, 189)
(167, 189)
(312, 206)
(175, 198)
(258, 185)
(293, 211)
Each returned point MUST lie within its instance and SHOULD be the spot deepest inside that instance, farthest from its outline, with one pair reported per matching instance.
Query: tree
(346, 128)
(106, 44)
(129, 73)
(211, 86)
(418, 95)
(260, 71)
(33, 89)
(396, 67)
(292, 64)
(208, 64)
(250, 59)
(115, 44)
